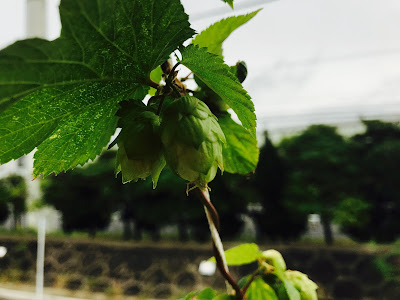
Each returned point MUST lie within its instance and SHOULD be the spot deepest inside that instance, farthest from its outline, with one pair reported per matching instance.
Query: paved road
(8, 294)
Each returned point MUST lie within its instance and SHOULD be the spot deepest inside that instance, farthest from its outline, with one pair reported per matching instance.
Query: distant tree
(142, 208)
(14, 194)
(231, 198)
(318, 172)
(150, 209)
(4, 198)
(176, 208)
(276, 220)
(376, 153)
(85, 196)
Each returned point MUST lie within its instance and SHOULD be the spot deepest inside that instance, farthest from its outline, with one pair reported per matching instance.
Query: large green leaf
(240, 151)
(62, 95)
(241, 255)
(217, 33)
(212, 71)
(259, 289)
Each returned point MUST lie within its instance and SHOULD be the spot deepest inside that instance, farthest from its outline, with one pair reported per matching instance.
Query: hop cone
(140, 149)
(192, 140)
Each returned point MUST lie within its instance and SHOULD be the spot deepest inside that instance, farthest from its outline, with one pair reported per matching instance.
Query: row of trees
(12, 199)
(353, 182)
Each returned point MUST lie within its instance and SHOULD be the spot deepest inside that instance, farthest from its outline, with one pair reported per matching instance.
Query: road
(8, 294)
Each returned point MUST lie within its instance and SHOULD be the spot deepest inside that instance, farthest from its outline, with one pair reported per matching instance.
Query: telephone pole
(35, 18)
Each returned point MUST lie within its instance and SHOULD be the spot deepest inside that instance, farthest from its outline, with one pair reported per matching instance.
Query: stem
(160, 105)
(176, 91)
(211, 209)
(212, 218)
(186, 77)
(153, 84)
(173, 69)
(253, 276)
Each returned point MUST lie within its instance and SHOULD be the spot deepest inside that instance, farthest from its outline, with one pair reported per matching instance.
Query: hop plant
(192, 140)
(139, 148)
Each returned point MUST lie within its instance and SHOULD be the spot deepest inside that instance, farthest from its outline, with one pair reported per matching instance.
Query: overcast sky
(303, 56)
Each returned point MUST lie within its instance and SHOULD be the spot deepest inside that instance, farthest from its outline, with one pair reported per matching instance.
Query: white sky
(327, 58)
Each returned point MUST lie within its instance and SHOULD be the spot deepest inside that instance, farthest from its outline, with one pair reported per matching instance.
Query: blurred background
(324, 78)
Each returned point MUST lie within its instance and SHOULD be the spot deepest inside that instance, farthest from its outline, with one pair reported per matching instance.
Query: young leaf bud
(140, 149)
(306, 287)
(241, 71)
(192, 140)
(275, 259)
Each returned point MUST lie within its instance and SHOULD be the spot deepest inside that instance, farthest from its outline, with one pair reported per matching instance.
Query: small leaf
(275, 259)
(189, 296)
(156, 76)
(225, 297)
(303, 284)
(211, 69)
(241, 151)
(217, 33)
(241, 255)
(288, 291)
(259, 289)
(230, 2)
(206, 294)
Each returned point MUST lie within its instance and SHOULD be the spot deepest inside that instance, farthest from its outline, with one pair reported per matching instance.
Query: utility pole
(36, 27)
(35, 18)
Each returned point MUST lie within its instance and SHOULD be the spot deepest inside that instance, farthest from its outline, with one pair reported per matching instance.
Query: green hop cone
(140, 149)
(275, 259)
(306, 287)
(192, 140)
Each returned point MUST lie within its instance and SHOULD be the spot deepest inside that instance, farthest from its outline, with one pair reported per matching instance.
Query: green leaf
(206, 294)
(288, 291)
(240, 152)
(217, 33)
(230, 2)
(82, 131)
(61, 96)
(156, 76)
(225, 297)
(211, 69)
(306, 287)
(241, 255)
(259, 289)
(189, 296)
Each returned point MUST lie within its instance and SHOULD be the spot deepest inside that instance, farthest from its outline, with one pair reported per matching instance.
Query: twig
(253, 276)
(153, 84)
(217, 244)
